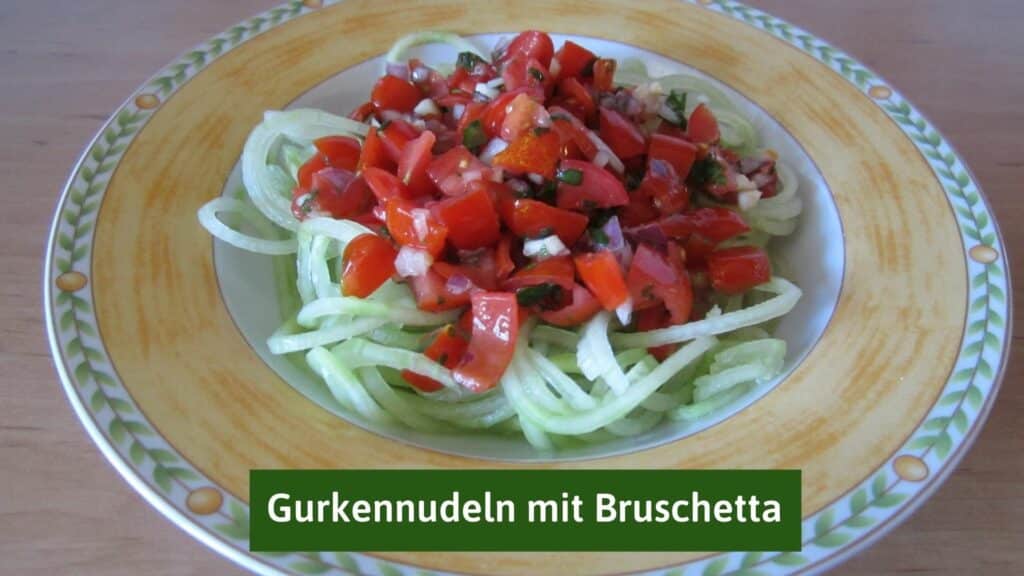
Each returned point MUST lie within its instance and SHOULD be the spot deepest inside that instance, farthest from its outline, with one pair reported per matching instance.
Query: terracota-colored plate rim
(167, 387)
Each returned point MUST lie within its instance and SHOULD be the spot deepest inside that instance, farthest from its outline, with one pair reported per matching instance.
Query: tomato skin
(341, 194)
(531, 153)
(503, 258)
(736, 270)
(556, 270)
(597, 189)
(523, 113)
(601, 274)
(413, 163)
(528, 75)
(574, 95)
(315, 164)
(582, 307)
(401, 217)
(534, 219)
(447, 350)
(663, 189)
(621, 135)
(374, 154)
(392, 93)
(676, 151)
(471, 219)
(481, 269)
(385, 185)
(677, 298)
(648, 270)
(492, 115)
(702, 127)
(604, 73)
(340, 151)
(395, 136)
(495, 329)
(362, 113)
(432, 293)
(573, 60)
(530, 44)
(714, 223)
(653, 319)
(368, 262)
(447, 170)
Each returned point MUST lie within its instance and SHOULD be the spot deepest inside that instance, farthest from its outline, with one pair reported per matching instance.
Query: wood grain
(65, 65)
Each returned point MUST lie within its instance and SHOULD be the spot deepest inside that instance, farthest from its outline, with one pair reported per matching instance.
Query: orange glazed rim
(151, 379)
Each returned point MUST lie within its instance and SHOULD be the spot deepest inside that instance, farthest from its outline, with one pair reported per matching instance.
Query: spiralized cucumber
(402, 45)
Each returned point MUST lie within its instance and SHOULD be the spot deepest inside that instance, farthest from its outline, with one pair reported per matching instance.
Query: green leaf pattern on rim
(839, 526)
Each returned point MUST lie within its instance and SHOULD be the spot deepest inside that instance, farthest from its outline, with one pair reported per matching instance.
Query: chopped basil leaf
(560, 116)
(707, 171)
(677, 103)
(307, 203)
(588, 68)
(546, 193)
(473, 136)
(599, 237)
(468, 60)
(570, 176)
(537, 74)
(384, 125)
(545, 295)
(443, 359)
(633, 179)
(540, 131)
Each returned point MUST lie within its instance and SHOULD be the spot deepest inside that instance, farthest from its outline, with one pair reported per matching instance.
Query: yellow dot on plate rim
(205, 500)
(71, 281)
(312, 4)
(705, 2)
(910, 468)
(984, 254)
(147, 101)
(880, 92)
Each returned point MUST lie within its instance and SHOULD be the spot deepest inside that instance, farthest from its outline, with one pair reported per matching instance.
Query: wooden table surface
(66, 64)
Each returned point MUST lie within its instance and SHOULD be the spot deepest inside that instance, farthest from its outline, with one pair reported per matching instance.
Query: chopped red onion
(493, 147)
(458, 284)
(518, 185)
(419, 222)
(419, 74)
(650, 234)
(398, 69)
(412, 262)
(458, 110)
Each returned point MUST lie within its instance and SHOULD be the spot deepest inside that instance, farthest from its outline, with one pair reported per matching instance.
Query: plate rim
(166, 82)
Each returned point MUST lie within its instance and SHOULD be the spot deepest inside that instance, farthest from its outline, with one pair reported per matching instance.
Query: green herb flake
(308, 202)
(707, 171)
(570, 176)
(536, 74)
(542, 295)
(540, 131)
(468, 60)
(599, 237)
(473, 137)
(676, 102)
(546, 193)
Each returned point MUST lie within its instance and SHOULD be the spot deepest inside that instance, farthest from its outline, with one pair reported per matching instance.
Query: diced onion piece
(535, 178)
(458, 110)
(426, 107)
(668, 114)
(493, 148)
(747, 199)
(419, 222)
(625, 312)
(420, 74)
(543, 248)
(472, 175)
(744, 183)
(496, 82)
(486, 91)
(613, 160)
(601, 159)
(555, 67)
(412, 262)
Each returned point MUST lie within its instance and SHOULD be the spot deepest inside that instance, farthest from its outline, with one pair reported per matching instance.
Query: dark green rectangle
(519, 487)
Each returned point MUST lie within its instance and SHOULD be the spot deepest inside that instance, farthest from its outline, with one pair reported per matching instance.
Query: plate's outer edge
(180, 492)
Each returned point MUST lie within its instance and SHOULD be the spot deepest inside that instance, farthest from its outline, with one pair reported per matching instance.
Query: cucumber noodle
(591, 384)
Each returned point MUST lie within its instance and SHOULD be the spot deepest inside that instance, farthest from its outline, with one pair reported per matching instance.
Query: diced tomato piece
(340, 193)
(472, 112)
(368, 262)
(715, 223)
(395, 136)
(492, 115)
(530, 44)
(575, 96)
(604, 74)
(677, 152)
(362, 113)
(528, 75)
(447, 171)
(471, 219)
(432, 293)
(647, 271)
(556, 270)
(503, 258)
(573, 134)
(621, 135)
(447, 350)
(665, 192)
(533, 219)
(736, 270)
(581, 308)
(480, 267)
(640, 210)
(413, 163)
(523, 115)
(601, 273)
(495, 329)
(574, 60)
(531, 153)
(678, 298)
(697, 249)
(374, 153)
(315, 164)
(340, 151)
(402, 218)
(702, 127)
(385, 185)
(653, 319)
(393, 93)
(597, 187)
